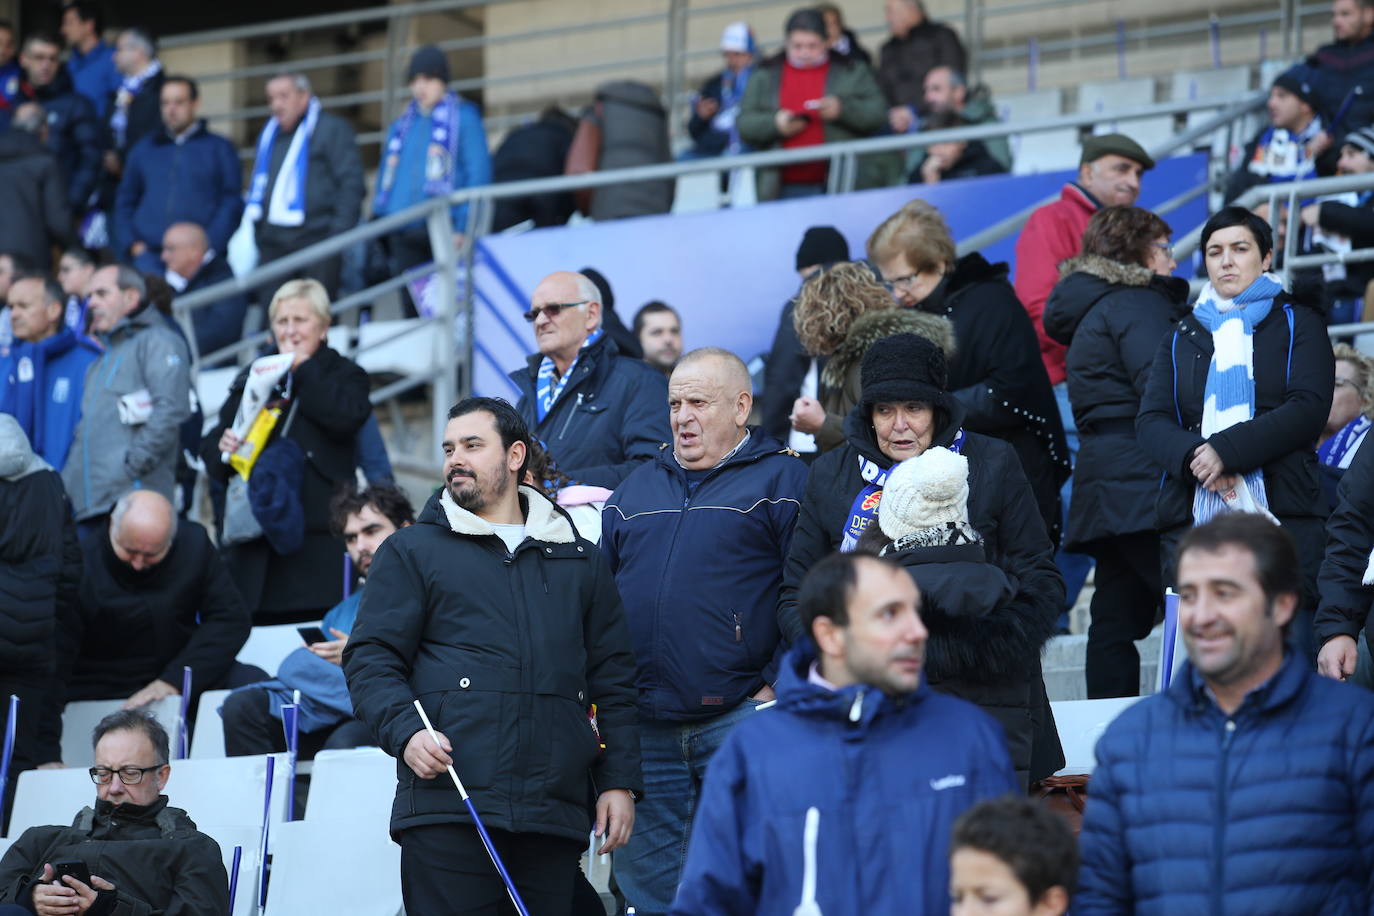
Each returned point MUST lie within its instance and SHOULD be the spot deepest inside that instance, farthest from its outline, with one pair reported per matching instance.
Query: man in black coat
(155, 598)
(538, 150)
(191, 265)
(505, 624)
(1346, 581)
(73, 131)
(322, 192)
(135, 111)
(599, 414)
(32, 195)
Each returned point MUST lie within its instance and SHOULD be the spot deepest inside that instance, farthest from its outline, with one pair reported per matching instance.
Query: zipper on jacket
(1219, 833)
(856, 709)
(739, 630)
(571, 413)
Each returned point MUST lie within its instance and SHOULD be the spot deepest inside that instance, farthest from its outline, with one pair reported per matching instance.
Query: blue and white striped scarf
(287, 206)
(547, 388)
(124, 97)
(1229, 396)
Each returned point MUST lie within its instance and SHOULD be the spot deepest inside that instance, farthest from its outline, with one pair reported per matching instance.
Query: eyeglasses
(130, 776)
(552, 309)
(1165, 247)
(905, 283)
(1351, 382)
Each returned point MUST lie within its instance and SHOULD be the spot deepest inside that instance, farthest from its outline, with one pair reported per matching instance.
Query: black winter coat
(332, 394)
(33, 198)
(538, 150)
(611, 416)
(1112, 317)
(153, 855)
(1001, 508)
(506, 651)
(783, 373)
(1346, 602)
(73, 135)
(975, 162)
(1357, 224)
(132, 627)
(904, 62)
(1294, 378)
(334, 186)
(998, 376)
(145, 116)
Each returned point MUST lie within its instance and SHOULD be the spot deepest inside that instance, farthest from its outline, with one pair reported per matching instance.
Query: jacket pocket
(570, 744)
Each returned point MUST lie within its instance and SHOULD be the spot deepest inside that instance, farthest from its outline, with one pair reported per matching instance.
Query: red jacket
(1053, 234)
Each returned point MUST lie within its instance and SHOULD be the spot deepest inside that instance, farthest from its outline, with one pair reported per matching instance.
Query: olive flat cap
(1094, 148)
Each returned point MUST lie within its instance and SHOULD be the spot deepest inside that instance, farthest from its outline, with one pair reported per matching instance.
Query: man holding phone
(151, 857)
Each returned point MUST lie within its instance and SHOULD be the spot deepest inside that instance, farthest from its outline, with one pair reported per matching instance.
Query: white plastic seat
(359, 782)
(266, 646)
(248, 839)
(80, 717)
(50, 797)
(1030, 106)
(229, 790)
(401, 347)
(1047, 151)
(696, 192)
(366, 858)
(1080, 724)
(208, 740)
(212, 389)
(1219, 83)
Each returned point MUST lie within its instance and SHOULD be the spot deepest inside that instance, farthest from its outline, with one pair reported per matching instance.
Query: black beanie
(822, 245)
(903, 367)
(1299, 81)
(428, 61)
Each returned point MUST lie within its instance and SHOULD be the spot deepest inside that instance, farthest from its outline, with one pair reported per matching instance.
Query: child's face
(983, 885)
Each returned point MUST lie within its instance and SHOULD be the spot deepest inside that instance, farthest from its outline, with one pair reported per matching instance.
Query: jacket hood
(20, 144)
(858, 430)
(1114, 272)
(1087, 279)
(17, 459)
(859, 704)
(874, 326)
(543, 520)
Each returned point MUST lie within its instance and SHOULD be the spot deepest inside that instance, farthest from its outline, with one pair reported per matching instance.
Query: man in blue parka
(844, 795)
(1248, 785)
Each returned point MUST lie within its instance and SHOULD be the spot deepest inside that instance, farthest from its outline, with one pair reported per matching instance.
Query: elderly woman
(839, 314)
(997, 375)
(1352, 409)
(905, 408)
(1224, 434)
(1112, 308)
(326, 397)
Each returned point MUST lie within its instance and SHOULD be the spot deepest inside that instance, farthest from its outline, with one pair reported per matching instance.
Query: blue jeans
(1074, 567)
(675, 756)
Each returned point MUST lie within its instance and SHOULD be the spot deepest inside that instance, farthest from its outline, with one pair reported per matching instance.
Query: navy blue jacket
(1270, 810)
(699, 571)
(611, 416)
(198, 180)
(887, 777)
(45, 394)
(73, 134)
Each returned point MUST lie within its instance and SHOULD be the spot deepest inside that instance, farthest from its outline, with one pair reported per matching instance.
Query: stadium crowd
(780, 654)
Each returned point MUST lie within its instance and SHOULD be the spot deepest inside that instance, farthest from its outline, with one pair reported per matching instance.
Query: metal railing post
(973, 39)
(445, 384)
(676, 77)
(1291, 227)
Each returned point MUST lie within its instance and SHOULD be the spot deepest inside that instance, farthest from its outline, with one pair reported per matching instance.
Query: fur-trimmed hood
(1087, 279)
(874, 326)
(1114, 272)
(543, 520)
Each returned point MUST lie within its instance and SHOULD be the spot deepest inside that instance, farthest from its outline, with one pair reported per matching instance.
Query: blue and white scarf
(864, 511)
(440, 157)
(1338, 451)
(119, 118)
(548, 388)
(287, 206)
(732, 86)
(1229, 395)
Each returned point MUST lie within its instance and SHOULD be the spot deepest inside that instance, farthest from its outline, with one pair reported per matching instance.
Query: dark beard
(477, 499)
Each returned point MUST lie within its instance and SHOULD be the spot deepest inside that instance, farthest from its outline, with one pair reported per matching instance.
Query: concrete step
(1062, 663)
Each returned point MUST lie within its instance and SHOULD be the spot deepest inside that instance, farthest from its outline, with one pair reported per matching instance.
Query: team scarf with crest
(864, 511)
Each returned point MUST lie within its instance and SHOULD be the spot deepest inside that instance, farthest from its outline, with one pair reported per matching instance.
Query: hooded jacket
(698, 561)
(108, 456)
(611, 416)
(1112, 317)
(840, 377)
(158, 862)
(42, 384)
(1267, 810)
(1345, 600)
(196, 178)
(996, 375)
(887, 777)
(33, 197)
(1294, 379)
(73, 134)
(132, 627)
(507, 650)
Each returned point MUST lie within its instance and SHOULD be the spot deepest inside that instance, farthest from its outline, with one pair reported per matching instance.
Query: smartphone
(803, 117)
(74, 867)
(312, 635)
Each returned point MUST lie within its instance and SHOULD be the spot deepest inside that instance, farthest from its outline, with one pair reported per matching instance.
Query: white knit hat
(928, 491)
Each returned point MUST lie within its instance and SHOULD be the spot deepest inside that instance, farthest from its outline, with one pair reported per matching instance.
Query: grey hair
(588, 291)
(135, 720)
(122, 506)
(298, 79)
(127, 278)
(141, 39)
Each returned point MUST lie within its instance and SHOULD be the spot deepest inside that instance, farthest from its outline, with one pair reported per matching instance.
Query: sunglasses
(552, 309)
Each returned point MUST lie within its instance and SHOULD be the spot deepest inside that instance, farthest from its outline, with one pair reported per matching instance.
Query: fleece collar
(543, 521)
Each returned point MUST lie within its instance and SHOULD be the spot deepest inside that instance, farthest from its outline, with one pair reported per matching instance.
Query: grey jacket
(109, 457)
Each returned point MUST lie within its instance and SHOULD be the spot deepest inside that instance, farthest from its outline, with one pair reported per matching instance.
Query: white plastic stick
(463, 793)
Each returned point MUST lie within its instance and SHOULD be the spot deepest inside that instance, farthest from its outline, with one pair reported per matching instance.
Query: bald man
(191, 264)
(697, 538)
(155, 597)
(598, 413)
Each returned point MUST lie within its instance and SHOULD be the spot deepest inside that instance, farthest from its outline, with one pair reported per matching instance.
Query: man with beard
(1248, 785)
(505, 623)
(659, 329)
(252, 716)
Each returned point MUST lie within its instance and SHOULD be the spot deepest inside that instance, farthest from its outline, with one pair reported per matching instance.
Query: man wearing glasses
(149, 857)
(599, 414)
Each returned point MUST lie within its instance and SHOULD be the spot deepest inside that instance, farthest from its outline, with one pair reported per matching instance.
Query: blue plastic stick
(266, 821)
(183, 745)
(10, 724)
(290, 724)
(234, 876)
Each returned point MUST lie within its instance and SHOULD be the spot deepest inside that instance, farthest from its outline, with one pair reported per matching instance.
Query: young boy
(1011, 857)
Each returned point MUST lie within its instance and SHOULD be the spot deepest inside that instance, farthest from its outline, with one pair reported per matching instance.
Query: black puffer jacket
(611, 416)
(1112, 317)
(1345, 601)
(73, 134)
(507, 651)
(153, 855)
(1294, 378)
(33, 197)
(999, 377)
(1001, 508)
(784, 371)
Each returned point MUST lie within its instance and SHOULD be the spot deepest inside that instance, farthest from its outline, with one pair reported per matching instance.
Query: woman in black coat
(996, 373)
(1273, 452)
(330, 396)
(903, 410)
(1112, 308)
